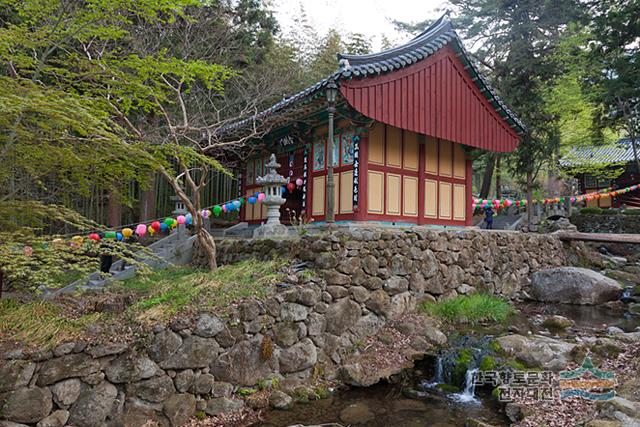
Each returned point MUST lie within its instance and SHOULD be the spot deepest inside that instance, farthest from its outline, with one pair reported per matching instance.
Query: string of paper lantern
(156, 226)
(506, 202)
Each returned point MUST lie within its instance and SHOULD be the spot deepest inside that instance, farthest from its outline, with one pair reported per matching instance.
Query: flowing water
(384, 405)
(387, 405)
(468, 395)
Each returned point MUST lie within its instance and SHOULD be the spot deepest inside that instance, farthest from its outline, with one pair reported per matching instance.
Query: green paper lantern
(110, 235)
(169, 221)
(217, 210)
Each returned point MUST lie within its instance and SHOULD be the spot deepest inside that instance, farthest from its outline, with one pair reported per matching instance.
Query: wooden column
(148, 201)
(114, 209)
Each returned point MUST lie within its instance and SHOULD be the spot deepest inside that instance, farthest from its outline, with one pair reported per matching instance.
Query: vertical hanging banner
(305, 173)
(356, 171)
(240, 193)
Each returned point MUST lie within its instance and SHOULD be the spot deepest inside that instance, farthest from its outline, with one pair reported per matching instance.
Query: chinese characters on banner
(305, 172)
(356, 171)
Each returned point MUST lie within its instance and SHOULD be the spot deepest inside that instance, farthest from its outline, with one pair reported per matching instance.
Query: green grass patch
(591, 211)
(472, 309)
(40, 323)
(167, 292)
(632, 212)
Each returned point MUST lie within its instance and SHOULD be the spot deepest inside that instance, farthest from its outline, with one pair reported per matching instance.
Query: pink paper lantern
(299, 182)
(181, 219)
(141, 230)
(261, 196)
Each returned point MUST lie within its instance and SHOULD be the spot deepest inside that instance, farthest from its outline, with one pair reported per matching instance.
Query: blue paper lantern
(252, 200)
(119, 237)
(163, 226)
(236, 204)
(188, 219)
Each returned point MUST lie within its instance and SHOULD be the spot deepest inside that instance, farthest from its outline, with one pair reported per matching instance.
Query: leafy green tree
(516, 41)
(98, 96)
(357, 44)
(614, 66)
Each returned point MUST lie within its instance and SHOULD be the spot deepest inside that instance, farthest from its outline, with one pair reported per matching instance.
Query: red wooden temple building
(404, 121)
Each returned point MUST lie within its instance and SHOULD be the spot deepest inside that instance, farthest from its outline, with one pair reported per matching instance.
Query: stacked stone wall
(363, 280)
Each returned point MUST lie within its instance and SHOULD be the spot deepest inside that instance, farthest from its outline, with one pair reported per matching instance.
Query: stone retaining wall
(440, 263)
(369, 278)
(606, 223)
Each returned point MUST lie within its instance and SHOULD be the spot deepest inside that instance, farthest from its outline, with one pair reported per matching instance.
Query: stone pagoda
(272, 184)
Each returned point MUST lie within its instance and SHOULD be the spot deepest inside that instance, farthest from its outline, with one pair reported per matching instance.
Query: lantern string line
(505, 202)
(147, 222)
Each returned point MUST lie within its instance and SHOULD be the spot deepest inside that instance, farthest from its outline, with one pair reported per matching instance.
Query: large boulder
(245, 363)
(69, 366)
(342, 315)
(573, 285)
(15, 374)
(56, 419)
(179, 408)
(195, 352)
(208, 326)
(301, 356)
(537, 351)
(222, 405)
(130, 368)
(156, 389)
(27, 405)
(93, 406)
(66, 392)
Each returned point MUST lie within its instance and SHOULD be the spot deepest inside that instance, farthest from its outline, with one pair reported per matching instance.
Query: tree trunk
(208, 245)
(114, 209)
(630, 130)
(529, 198)
(632, 137)
(498, 178)
(148, 200)
(488, 174)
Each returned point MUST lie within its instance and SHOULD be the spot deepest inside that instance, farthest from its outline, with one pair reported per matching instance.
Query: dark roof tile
(422, 46)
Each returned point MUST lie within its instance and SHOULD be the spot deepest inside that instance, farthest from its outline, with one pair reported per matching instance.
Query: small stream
(384, 405)
(421, 401)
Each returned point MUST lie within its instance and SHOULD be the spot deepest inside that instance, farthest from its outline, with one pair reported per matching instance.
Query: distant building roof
(427, 43)
(618, 152)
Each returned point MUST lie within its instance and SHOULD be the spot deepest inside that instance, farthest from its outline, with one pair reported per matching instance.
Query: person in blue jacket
(488, 217)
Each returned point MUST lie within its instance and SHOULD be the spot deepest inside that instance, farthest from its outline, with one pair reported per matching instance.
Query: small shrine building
(403, 122)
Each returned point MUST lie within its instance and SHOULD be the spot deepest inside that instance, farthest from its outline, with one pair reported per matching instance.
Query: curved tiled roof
(619, 152)
(435, 37)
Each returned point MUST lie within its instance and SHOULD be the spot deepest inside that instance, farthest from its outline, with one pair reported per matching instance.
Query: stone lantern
(272, 184)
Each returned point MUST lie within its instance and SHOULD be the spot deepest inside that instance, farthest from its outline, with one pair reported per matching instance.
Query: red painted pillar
(469, 188)
(361, 213)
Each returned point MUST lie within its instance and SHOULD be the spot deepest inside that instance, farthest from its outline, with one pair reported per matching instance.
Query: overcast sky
(370, 17)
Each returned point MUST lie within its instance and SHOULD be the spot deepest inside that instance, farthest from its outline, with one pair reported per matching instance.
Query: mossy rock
(488, 363)
(623, 277)
(557, 323)
(516, 365)
(448, 388)
(497, 348)
(462, 364)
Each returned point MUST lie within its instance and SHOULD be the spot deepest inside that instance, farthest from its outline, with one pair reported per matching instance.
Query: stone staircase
(175, 249)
